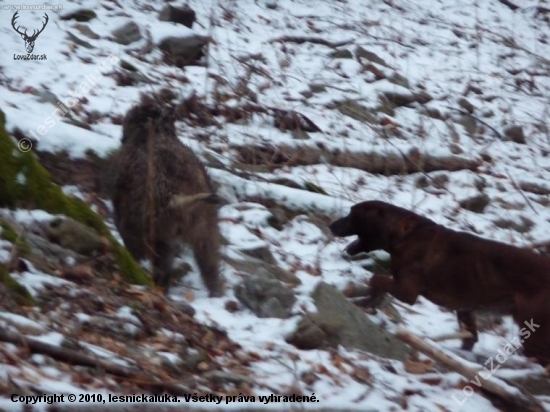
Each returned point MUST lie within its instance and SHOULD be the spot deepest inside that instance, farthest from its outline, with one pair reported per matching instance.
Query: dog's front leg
(467, 320)
(406, 288)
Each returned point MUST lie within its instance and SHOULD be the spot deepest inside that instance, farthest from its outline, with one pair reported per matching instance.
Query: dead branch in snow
(492, 385)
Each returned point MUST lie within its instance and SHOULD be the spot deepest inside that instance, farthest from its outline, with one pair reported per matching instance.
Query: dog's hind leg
(467, 320)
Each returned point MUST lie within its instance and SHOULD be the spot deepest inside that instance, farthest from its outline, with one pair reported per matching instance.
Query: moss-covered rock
(18, 292)
(10, 234)
(24, 183)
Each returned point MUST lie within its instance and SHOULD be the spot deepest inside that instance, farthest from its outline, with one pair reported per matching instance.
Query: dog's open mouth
(355, 247)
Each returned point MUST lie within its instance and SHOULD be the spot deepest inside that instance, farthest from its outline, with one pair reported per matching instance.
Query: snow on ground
(484, 51)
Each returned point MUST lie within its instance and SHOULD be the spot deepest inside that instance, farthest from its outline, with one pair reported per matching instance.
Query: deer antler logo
(29, 40)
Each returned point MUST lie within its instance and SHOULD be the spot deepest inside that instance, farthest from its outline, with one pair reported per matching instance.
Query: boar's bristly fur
(163, 198)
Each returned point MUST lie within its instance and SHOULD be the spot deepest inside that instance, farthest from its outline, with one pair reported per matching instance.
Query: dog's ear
(342, 227)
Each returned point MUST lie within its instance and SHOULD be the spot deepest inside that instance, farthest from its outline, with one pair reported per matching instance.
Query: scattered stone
(423, 97)
(184, 307)
(362, 53)
(372, 68)
(341, 54)
(127, 33)
(339, 322)
(86, 31)
(455, 149)
(515, 134)
(181, 15)
(466, 105)
(536, 188)
(183, 51)
(317, 88)
(432, 112)
(278, 219)
(80, 15)
(487, 113)
(78, 41)
(231, 306)
(398, 99)
(267, 298)
(400, 80)
(308, 335)
(46, 96)
(523, 226)
(468, 122)
(476, 204)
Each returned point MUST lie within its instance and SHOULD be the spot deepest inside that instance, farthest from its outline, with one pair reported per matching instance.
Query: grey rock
(341, 54)
(80, 15)
(267, 298)
(308, 335)
(50, 251)
(127, 33)
(398, 99)
(469, 123)
(432, 112)
(317, 88)
(46, 96)
(183, 51)
(400, 80)
(476, 204)
(466, 105)
(185, 307)
(260, 252)
(339, 322)
(515, 134)
(73, 235)
(251, 266)
(181, 15)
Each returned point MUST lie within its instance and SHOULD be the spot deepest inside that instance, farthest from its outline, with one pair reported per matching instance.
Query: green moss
(9, 234)
(312, 187)
(19, 293)
(24, 183)
(130, 270)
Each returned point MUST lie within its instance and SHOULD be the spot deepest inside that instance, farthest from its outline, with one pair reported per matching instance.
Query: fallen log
(386, 163)
(492, 384)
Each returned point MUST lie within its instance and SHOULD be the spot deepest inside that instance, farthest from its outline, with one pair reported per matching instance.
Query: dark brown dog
(163, 197)
(456, 270)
